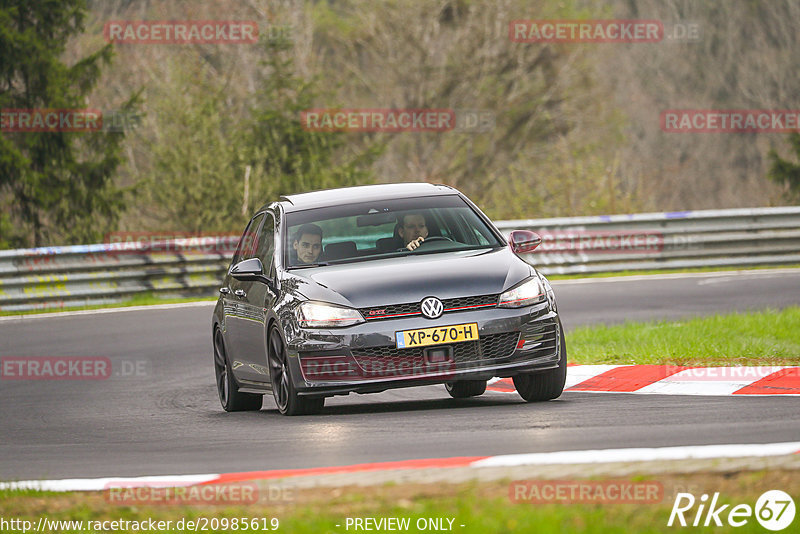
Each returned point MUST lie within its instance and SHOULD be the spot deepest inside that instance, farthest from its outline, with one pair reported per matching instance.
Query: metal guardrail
(673, 240)
(57, 277)
(85, 275)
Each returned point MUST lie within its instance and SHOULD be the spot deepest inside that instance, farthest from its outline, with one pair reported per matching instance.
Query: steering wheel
(436, 238)
(428, 240)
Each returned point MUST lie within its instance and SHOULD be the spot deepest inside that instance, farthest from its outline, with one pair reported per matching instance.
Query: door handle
(240, 293)
(224, 290)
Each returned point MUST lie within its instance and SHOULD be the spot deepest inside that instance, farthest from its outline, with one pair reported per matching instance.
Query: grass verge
(758, 338)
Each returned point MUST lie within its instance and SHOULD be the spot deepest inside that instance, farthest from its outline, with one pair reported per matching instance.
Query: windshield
(372, 230)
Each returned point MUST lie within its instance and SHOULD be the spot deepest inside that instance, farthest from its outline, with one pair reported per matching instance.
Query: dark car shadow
(429, 405)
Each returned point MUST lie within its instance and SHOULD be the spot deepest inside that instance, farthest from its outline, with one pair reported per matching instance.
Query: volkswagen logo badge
(431, 307)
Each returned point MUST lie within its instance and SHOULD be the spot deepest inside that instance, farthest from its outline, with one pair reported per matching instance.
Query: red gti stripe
(627, 378)
(369, 317)
(469, 307)
(391, 315)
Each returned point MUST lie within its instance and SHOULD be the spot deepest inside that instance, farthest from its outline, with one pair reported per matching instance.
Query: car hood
(412, 278)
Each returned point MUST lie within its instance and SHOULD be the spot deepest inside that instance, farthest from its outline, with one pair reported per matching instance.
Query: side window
(445, 229)
(266, 243)
(482, 239)
(247, 244)
(469, 232)
(452, 226)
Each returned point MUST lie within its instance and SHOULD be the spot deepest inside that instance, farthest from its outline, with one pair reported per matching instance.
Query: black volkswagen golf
(364, 289)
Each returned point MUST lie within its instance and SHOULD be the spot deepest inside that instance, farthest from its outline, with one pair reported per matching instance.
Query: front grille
(493, 346)
(499, 345)
(470, 302)
(386, 361)
(412, 308)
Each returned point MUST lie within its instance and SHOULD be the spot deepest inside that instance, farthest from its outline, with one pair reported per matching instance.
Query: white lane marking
(581, 373)
(640, 454)
(726, 279)
(721, 280)
(575, 375)
(710, 380)
(689, 393)
(99, 484)
(671, 276)
(172, 306)
(693, 388)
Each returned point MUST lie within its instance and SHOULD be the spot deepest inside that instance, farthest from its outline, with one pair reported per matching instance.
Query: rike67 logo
(774, 510)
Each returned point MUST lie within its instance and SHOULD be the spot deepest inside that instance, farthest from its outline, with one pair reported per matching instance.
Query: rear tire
(280, 373)
(228, 390)
(462, 389)
(547, 385)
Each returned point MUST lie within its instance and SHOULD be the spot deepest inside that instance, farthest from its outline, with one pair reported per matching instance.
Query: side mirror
(523, 241)
(250, 271)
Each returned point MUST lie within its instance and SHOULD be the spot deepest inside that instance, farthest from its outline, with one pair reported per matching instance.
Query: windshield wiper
(307, 265)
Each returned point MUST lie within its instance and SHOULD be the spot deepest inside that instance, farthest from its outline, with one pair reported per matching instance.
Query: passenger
(308, 244)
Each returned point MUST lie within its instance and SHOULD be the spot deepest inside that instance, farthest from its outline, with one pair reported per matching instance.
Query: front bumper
(364, 358)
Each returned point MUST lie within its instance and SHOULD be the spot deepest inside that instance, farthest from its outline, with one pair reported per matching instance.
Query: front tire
(462, 389)
(229, 396)
(280, 373)
(547, 385)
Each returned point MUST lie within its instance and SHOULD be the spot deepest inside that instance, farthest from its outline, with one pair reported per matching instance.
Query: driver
(308, 243)
(412, 230)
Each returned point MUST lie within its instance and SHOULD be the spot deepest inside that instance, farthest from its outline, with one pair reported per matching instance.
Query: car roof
(363, 193)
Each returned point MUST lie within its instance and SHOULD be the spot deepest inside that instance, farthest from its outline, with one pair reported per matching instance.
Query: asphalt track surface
(166, 419)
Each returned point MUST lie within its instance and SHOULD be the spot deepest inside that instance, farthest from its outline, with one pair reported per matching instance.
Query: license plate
(437, 335)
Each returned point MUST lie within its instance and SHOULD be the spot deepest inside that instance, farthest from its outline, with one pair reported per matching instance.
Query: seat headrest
(341, 250)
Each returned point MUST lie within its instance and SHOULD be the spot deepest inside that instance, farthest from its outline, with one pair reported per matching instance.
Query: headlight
(551, 296)
(527, 293)
(320, 315)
